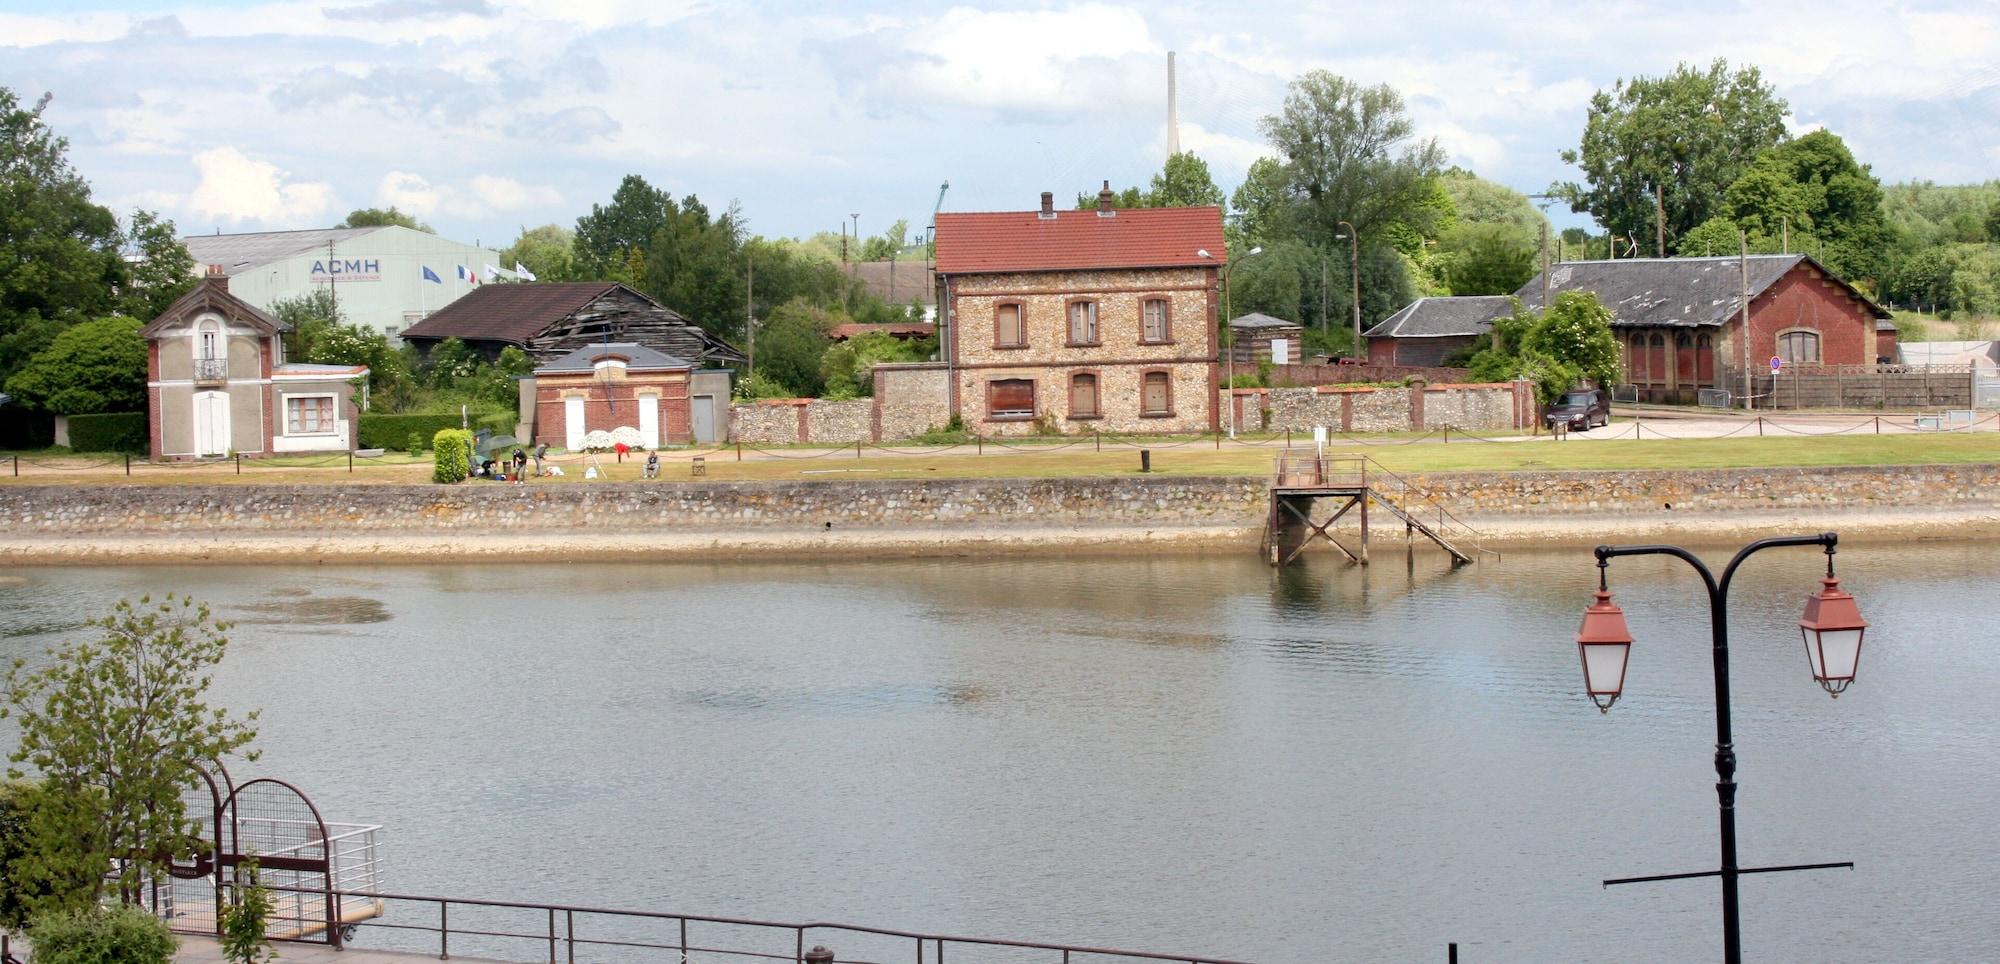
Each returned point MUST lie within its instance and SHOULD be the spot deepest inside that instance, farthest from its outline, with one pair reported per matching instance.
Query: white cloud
(482, 195)
(235, 187)
(1072, 61)
(1221, 150)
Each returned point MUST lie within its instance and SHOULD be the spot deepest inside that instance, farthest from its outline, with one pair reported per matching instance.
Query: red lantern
(1832, 628)
(1605, 645)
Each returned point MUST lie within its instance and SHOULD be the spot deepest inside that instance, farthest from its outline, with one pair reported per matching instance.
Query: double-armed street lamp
(1831, 628)
(1229, 331)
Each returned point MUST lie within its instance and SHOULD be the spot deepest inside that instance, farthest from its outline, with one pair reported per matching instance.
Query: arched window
(1704, 361)
(1083, 395)
(1636, 359)
(208, 341)
(1684, 359)
(1656, 357)
(1799, 347)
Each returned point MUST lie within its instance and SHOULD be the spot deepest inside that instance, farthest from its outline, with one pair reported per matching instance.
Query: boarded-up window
(1082, 395)
(1153, 321)
(1799, 347)
(1083, 322)
(1638, 359)
(1007, 329)
(1010, 398)
(1154, 398)
(1704, 361)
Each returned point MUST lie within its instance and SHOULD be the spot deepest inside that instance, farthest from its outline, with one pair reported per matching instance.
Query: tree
(1183, 183)
(383, 218)
(307, 316)
(1487, 259)
(112, 726)
(1350, 155)
(790, 344)
(1993, 223)
(549, 251)
(59, 252)
(159, 267)
(888, 244)
(1476, 200)
(610, 233)
(92, 367)
(1691, 134)
(1570, 341)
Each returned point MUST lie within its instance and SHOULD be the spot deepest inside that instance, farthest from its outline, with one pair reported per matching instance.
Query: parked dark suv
(1580, 410)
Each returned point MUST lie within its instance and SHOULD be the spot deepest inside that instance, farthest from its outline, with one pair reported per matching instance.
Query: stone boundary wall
(1307, 376)
(950, 506)
(1418, 408)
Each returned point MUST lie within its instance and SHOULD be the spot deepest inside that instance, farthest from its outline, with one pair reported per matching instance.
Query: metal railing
(211, 369)
(559, 932)
(1304, 468)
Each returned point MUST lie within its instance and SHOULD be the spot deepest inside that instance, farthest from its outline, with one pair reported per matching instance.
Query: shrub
(124, 935)
(416, 444)
(243, 922)
(114, 432)
(452, 448)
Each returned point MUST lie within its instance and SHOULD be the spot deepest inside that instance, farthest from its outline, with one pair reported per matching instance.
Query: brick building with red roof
(1075, 320)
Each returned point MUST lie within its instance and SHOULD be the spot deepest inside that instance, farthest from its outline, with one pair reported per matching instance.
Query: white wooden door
(649, 420)
(573, 423)
(211, 423)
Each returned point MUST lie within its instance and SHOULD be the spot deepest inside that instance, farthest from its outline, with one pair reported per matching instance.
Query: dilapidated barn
(553, 319)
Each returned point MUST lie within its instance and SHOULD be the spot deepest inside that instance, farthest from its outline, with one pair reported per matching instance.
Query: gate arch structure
(310, 867)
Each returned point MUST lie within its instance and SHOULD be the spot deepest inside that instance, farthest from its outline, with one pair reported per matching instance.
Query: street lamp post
(1354, 279)
(1832, 629)
(1229, 332)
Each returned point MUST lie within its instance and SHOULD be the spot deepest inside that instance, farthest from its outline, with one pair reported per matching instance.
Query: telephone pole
(332, 290)
(1660, 220)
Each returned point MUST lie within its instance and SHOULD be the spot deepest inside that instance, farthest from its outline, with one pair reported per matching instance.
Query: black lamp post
(1832, 629)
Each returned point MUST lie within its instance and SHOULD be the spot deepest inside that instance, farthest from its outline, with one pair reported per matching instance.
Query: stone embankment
(944, 516)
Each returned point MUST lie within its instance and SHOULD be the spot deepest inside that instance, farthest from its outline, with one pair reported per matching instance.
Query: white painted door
(573, 423)
(649, 420)
(211, 423)
(1281, 351)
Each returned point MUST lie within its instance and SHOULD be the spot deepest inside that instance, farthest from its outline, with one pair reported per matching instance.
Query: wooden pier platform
(1304, 477)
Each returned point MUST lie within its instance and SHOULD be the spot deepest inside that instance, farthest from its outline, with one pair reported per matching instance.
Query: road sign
(1776, 363)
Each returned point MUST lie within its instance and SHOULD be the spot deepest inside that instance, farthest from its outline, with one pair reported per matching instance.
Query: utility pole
(1354, 277)
(332, 291)
(1323, 283)
(750, 311)
(1785, 222)
(1660, 220)
(858, 250)
(1743, 263)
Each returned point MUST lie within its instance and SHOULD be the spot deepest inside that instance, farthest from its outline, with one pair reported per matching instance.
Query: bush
(124, 935)
(114, 432)
(452, 448)
(242, 923)
(416, 445)
(378, 431)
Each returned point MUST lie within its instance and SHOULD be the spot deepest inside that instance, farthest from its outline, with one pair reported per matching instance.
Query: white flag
(521, 270)
(492, 273)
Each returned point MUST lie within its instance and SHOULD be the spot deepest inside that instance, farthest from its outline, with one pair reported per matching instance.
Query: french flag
(467, 275)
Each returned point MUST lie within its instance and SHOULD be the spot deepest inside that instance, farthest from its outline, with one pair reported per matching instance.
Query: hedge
(114, 432)
(394, 431)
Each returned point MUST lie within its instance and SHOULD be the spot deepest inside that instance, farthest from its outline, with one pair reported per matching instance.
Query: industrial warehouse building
(377, 274)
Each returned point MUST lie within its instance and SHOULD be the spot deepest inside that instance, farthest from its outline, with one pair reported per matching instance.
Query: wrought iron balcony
(211, 369)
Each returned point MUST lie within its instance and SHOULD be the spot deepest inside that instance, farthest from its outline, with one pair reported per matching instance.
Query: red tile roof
(976, 243)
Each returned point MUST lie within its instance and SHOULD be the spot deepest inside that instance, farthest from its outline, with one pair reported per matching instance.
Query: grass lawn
(1171, 459)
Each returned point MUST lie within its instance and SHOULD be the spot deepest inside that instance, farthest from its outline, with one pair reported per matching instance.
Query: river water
(1180, 753)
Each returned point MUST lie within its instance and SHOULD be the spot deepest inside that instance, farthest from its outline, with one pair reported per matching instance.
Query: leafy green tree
(1572, 340)
(60, 258)
(1714, 237)
(1488, 259)
(610, 233)
(389, 382)
(383, 218)
(159, 268)
(1350, 153)
(93, 366)
(112, 727)
(1127, 199)
(244, 921)
(790, 344)
(1993, 223)
(847, 369)
(888, 244)
(97, 935)
(1812, 194)
(1476, 200)
(1691, 134)
(549, 251)
(307, 317)
(1184, 183)
(1261, 209)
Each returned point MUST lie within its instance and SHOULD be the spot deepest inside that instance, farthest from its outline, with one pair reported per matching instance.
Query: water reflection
(1202, 753)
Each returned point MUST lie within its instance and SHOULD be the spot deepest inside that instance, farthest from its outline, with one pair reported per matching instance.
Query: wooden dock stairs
(1302, 477)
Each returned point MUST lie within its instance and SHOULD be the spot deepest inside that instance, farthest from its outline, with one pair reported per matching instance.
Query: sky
(486, 116)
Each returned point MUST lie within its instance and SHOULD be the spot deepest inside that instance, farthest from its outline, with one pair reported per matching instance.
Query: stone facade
(1119, 359)
(911, 399)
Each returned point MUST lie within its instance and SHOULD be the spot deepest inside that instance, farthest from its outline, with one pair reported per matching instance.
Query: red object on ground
(621, 448)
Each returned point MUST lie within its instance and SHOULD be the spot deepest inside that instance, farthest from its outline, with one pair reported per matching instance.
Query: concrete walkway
(205, 950)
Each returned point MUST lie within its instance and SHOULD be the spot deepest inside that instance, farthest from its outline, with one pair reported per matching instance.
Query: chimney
(1104, 208)
(215, 271)
(1048, 206)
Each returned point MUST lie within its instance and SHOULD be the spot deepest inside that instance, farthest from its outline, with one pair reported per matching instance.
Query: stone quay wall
(952, 506)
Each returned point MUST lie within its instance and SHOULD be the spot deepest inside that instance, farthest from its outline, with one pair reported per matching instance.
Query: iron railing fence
(567, 934)
(211, 369)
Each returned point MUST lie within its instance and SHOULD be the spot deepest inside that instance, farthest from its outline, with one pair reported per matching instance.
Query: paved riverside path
(205, 950)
